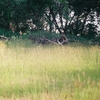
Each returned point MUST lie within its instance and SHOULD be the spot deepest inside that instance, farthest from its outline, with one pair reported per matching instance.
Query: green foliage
(44, 13)
(6, 8)
(85, 13)
(16, 42)
(44, 34)
(74, 38)
(91, 31)
(8, 33)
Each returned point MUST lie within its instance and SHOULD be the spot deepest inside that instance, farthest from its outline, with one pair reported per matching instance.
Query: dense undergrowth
(31, 71)
(49, 72)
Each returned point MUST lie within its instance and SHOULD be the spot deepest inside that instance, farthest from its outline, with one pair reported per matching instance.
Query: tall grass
(49, 73)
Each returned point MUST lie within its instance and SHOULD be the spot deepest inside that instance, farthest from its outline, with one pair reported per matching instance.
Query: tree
(57, 14)
(6, 9)
(52, 12)
(62, 16)
(83, 11)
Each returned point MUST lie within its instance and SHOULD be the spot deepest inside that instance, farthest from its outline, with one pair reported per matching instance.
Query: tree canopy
(79, 17)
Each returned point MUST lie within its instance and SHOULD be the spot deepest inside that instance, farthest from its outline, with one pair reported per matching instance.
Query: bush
(44, 34)
(8, 33)
(74, 38)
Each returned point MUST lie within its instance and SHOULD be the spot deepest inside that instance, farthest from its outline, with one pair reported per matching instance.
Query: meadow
(37, 72)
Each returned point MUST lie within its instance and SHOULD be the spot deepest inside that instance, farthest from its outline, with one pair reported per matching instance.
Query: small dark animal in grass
(63, 39)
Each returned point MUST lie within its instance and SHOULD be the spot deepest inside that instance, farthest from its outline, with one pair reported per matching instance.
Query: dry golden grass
(49, 72)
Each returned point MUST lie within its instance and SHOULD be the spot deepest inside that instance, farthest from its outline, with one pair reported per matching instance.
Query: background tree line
(78, 17)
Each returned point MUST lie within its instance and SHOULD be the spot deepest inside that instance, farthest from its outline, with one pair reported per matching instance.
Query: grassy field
(36, 72)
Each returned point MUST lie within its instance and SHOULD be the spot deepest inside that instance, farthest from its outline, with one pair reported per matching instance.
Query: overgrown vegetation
(32, 71)
(49, 72)
(78, 17)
